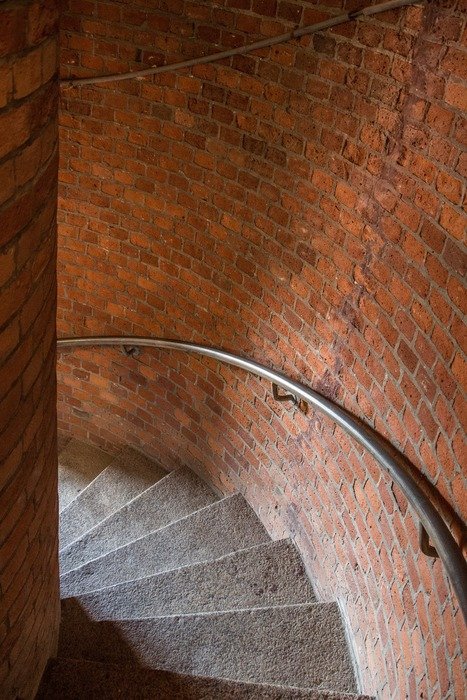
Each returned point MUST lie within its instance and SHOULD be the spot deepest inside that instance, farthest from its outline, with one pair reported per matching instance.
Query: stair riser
(69, 679)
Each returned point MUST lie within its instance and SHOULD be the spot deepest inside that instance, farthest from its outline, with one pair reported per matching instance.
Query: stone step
(212, 532)
(265, 575)
(175, 496)
(126, 477)
(298, 645)
(78, 464)
(73, 679)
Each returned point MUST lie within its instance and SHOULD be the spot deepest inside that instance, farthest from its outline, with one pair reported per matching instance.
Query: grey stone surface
(265, 575)
(212, 532)
(173, 497)
(298, 645)
(180, 595)
(72, 679)
(78, 464)
(126, 477)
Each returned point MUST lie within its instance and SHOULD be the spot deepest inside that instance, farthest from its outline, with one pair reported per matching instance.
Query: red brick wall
(301, 206)
(28, 472)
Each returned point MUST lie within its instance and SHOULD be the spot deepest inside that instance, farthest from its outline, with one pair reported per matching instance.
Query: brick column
(29, 598)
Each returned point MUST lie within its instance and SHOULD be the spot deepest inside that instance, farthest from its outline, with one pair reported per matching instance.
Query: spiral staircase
(170, 591)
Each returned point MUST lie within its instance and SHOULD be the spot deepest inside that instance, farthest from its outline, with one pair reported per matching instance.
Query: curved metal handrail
(384, 453)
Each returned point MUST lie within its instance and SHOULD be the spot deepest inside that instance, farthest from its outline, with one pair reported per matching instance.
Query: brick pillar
(29, 598)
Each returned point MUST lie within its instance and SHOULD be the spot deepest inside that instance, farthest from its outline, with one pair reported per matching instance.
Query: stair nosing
(218, 613)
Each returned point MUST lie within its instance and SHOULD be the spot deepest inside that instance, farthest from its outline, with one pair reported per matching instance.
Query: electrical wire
(248, 48)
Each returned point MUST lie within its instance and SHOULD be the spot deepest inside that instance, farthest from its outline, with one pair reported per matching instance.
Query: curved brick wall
(29, 604)
(301, 206)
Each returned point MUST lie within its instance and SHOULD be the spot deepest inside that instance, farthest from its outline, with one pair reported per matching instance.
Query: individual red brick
(454, 257)
(13, 29)
(456, 95)
(440, 118)
(433, 236)
(6, 85)
(15, 127)
(27, 74)
(450, 187)
(453, 222)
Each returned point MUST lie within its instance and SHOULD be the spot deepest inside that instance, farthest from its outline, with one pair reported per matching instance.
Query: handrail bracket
(425, 546)
(131, 350)
(301, 404)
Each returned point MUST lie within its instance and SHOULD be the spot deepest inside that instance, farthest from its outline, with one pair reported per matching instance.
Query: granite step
(212, 532)
(126, 477)
(265, 575)
(78, 464)
(299, 645)
(175, 496)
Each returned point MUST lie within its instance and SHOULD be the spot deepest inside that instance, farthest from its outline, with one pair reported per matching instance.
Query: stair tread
(126, 477)
(300, 645)
(211, 532)
(73, 679)
(78, 464)
(265, 575)
(173, 497)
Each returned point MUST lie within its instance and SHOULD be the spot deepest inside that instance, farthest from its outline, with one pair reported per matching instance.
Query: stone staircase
(169, 591)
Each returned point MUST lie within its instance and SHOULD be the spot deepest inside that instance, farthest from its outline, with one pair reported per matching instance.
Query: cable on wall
(248, 48)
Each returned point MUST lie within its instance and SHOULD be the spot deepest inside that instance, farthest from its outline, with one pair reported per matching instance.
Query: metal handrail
(385, 454)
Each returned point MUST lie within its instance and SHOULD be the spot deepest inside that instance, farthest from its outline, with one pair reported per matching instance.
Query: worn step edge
(261, 576)
(173, 497)
(73, 679)
(301, 645)
(228, 515)
(127, 477)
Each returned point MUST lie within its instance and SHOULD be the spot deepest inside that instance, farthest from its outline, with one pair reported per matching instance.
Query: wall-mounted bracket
(131, 350)
(299, 403)
(283, 397)
(425, 546)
